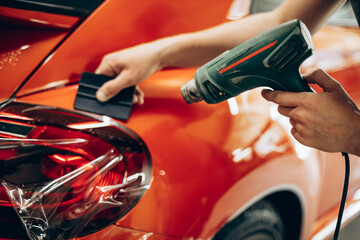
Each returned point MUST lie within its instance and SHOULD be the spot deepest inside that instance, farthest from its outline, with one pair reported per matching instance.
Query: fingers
(106, 68)
(306, 140)
(138, 96)
(128, 67)
(285, 111)
(112, 87)
(286, 99)
(321, 78)
(290, 99)
(297, 135)
(298, 122)
(301, 133)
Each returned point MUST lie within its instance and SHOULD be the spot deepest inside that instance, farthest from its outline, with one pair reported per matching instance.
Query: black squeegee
(118, 107)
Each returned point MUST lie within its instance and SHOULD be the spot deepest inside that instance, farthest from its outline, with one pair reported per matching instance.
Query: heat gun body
(271, 59)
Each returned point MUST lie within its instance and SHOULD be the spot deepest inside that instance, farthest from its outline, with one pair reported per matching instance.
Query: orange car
(173, 170)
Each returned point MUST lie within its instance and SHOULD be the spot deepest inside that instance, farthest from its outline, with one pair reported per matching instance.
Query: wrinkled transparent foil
(68, 174)
(44, 218)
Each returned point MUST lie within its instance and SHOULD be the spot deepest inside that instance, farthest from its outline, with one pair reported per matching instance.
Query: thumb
(112, 87)
(324, 80)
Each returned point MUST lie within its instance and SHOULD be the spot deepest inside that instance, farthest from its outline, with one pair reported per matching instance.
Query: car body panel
(253, 154)
(23, 49)
(210, 162)
(116, 232)
(177, 176)
(138, 24)
(28, 18)
(30, 38)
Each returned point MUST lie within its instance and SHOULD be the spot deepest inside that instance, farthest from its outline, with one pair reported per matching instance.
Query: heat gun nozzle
(190, 92)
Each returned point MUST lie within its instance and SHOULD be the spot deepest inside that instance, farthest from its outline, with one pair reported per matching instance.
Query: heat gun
(270, 59)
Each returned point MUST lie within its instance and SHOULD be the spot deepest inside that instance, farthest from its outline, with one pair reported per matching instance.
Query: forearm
(197, 48)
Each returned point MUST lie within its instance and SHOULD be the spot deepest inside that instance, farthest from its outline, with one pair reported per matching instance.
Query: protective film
(71, 175)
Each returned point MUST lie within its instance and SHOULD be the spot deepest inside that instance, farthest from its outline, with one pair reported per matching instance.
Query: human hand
(129, 67)
(329, 121)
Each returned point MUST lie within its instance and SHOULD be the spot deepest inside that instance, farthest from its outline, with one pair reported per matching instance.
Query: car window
(343, 17)
(65, 7)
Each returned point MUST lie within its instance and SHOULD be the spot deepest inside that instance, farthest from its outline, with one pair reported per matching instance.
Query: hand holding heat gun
(270, 59)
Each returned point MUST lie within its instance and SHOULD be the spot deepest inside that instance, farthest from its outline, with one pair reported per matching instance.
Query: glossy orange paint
(171, 128)
(29, 18)
(137, 22)
(114, 232)
(23, 48)
(210, 162)
(247, 146)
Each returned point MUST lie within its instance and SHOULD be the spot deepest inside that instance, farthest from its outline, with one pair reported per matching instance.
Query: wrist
(155, 50)
(172, 51)
(187, 50)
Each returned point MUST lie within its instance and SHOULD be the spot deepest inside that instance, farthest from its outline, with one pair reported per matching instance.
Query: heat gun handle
(294, 83)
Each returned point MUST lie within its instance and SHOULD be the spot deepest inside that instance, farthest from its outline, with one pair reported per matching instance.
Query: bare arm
(133, 65)
(200, 47)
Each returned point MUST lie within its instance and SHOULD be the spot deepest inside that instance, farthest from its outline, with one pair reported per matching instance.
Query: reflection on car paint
(11, 58)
